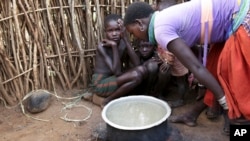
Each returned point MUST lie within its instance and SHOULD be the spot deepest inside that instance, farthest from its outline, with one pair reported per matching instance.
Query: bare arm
(132, 55)
(189, 60)
(107, 59)
(115, 64)
(116, 60)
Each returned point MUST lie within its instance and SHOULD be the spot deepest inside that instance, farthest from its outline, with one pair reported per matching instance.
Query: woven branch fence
(47, 42)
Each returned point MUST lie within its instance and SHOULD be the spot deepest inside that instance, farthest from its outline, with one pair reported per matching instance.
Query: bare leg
(153, 70)
(182, 87)
(214, 111)
(200, 92)
(226, 129)
(189, 118)
(161, 83)
(127, 82)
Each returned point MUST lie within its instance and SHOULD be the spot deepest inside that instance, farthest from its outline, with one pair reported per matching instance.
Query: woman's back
(184, 21)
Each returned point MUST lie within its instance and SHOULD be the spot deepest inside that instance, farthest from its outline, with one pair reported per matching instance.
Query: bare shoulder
(122, 46)
(100, 64)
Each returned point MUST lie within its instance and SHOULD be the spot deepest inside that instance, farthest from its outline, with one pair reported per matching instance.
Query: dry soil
(15, 126)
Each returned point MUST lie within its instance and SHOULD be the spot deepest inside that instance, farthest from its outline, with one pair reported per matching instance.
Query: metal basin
(136, 118)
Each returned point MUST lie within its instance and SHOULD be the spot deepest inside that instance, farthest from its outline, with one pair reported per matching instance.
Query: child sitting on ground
(158, 74)
(108, 80)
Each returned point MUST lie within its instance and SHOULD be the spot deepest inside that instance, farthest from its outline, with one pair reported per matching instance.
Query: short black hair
(162, 4)
(137, 10)
(169, 2)
(111, 17)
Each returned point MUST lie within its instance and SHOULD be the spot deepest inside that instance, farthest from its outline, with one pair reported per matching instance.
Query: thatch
(50, 42)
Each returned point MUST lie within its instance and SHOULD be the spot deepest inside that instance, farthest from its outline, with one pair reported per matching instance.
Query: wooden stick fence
(50, 38)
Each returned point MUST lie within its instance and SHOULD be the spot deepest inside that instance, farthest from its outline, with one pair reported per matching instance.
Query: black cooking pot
(136, 118)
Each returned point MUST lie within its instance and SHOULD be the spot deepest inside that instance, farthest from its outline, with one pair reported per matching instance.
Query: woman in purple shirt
(181, 26)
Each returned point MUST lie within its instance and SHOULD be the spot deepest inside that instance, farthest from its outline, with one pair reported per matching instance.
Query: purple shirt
(184, 21)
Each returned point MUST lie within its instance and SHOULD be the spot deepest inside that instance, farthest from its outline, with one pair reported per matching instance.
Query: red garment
(234, 73)
(212, 63)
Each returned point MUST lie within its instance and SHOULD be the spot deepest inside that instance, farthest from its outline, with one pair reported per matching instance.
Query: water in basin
(135, 113)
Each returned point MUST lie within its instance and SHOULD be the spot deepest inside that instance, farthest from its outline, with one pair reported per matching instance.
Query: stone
(38, 101)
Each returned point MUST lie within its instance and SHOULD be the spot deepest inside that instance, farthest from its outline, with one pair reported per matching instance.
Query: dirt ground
(15, 126)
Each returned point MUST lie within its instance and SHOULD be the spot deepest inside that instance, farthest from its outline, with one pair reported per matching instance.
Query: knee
(182, 84)
(139, 74)
(152, 67)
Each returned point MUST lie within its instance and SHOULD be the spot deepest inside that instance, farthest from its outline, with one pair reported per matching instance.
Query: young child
(158, 75)
(179, 27)
(108, 80)
(179, 73)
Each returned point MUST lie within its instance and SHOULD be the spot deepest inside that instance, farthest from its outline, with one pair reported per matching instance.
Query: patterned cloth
(103, 85)
(233, 73)
(246, 23)
(239, 16)
(177, 68)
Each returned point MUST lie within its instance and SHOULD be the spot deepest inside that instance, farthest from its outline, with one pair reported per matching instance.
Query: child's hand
(164, 67)
(165, 55)
(108, 43)
(124, 33)
(157, 60)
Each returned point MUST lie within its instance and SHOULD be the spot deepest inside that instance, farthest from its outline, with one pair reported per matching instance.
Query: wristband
(223, 103)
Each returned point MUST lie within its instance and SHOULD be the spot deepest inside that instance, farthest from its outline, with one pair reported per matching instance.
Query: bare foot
(213, 112)
(104, 102)
(88, 96)
(98, 100)
(177, 103)
(187, 120)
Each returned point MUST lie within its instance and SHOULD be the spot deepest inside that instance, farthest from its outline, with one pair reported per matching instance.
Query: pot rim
(144, 97)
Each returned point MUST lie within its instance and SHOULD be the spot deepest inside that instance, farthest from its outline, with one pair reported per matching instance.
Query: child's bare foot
(104, 102)
(177, 103)
(98, 100)
(187, 120)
